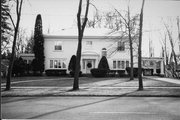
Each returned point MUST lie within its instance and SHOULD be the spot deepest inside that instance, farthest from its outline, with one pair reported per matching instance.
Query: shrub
(135, 71)
(121, 73)
(72, 66)
(72, 63)
(99, 72)
(112, 73)
(102, 69)
(35, 67)
(103, 64)
(55, 72)
(18, 67)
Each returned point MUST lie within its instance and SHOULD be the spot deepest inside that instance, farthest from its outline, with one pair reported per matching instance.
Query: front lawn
(88, 82)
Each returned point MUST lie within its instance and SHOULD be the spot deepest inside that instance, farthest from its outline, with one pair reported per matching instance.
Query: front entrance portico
(89, 60)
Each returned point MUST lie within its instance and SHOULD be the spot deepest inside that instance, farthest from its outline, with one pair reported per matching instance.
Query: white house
(59, 48)
(96, 43)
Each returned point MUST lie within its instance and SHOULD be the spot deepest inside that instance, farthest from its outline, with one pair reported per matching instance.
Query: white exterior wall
(69, 47)
(93, 53)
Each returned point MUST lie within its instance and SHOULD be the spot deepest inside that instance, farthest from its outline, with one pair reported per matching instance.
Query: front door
(88, 65)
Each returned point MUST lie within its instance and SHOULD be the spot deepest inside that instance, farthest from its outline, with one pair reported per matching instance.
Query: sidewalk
(111, 87)
(170, 80)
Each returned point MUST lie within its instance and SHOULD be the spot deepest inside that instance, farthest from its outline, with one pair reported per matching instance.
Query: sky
(61, 14)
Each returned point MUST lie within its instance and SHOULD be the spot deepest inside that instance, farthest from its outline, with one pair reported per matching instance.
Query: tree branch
(86, 14)
(9, 17)
(79, 16)
(126, 23)
(17, 8)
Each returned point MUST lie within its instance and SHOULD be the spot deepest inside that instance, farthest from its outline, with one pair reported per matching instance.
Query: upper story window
(121, 46)
(89, 43)
(58, 46)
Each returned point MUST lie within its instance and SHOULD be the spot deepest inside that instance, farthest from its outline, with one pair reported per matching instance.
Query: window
(121, 46)
(123, 65)
(120, 64)
(51, 63)
(151, 63)
(127, 63)
(114, 64)
(57, 64)
(58, 46)
(64, 65)
(89, 43)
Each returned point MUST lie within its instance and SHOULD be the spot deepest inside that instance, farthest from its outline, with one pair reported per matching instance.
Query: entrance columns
(154, 68)
(162, 68)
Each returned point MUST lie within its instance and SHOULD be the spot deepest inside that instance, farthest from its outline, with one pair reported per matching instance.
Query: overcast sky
(61, 14)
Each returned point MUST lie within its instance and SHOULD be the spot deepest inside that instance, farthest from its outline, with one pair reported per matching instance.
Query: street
(91, 108)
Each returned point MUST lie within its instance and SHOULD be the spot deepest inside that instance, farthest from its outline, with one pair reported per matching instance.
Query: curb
(52, 95)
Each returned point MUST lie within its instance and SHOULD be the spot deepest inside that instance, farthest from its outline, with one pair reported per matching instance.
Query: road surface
(91, 108)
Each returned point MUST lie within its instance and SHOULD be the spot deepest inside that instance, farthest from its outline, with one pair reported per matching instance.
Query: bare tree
(173, 54)
(21, 40)
(30, 44)
(6, 30)
(97, 18)
(130, 28)
(139, 49)
(81, 27)
(178, 28)
(16, 28)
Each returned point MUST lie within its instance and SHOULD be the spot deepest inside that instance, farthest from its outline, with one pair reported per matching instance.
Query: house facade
(58, 50)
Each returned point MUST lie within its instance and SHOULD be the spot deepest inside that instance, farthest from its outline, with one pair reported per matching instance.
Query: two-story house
(59, 48)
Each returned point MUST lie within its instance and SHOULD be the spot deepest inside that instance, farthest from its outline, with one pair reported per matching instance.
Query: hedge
(98, 72)
(121, 73)
(135, 71)
(53, 72)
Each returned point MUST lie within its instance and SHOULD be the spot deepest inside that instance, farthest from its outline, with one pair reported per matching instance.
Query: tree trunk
(18, 10)
(8, 81)
(80, 36)
(139, 50)
(131, 55)
(131, 46)
(173, 52)
(78, 59)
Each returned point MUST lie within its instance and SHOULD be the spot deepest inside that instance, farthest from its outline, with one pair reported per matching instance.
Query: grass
(88, 82)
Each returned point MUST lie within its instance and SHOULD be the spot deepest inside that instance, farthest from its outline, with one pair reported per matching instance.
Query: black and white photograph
(90, 59)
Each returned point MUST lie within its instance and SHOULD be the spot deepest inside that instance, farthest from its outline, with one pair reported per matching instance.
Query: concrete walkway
(170, 80)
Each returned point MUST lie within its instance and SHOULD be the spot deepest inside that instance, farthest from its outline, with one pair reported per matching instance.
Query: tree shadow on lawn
(67, 82)
(79, 106)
